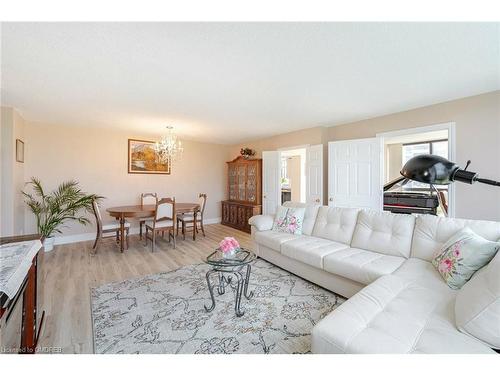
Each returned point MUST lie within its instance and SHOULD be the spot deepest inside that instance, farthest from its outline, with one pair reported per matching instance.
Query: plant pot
(48, 244)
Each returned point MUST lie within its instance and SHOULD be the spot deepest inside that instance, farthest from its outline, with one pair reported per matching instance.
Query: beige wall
(311, 136)
(97, 158)
(2, 171)
(12, 174)
(477, 120)
(7, 172)
(19, 170)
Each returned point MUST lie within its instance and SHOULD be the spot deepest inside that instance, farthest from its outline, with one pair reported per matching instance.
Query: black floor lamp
(436, 170)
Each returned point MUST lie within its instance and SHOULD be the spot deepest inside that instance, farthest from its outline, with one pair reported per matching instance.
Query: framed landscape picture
(142, 158)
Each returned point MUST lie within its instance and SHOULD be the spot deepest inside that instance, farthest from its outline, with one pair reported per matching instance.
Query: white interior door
(354, 174)
(314, 174)
(271, 184)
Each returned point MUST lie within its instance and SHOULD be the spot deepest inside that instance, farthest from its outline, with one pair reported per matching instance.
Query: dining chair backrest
(149, 199)
(165, 209)
(97, 214)
(202, 199)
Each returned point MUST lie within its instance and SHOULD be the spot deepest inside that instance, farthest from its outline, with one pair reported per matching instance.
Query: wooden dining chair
(147, 199)
(187, 220)
(163, 221)
(105, 228)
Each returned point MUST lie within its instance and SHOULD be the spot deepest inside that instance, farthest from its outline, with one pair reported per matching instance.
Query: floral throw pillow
(289, 220)
(462, 255)
(279, 218)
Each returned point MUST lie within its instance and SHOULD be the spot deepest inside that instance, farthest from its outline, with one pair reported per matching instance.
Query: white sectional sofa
(398, 302)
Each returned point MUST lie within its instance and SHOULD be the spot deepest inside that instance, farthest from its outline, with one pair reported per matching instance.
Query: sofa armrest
(261, 222)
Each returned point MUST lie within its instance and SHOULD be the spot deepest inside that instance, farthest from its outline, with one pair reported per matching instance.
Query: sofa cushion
(477, 306)
(273, 240)
(384, 232)
(423, 273)
(310, 250)
(361, 265)
(431, 232)
(394, 315)
(309, 215)
(335, 223)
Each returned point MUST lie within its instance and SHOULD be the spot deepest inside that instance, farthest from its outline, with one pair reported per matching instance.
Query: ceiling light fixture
(169, 148)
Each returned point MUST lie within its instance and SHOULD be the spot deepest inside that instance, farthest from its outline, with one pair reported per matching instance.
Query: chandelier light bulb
(169, 148)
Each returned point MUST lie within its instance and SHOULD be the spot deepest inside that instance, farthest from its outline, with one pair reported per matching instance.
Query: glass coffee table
(237, 266)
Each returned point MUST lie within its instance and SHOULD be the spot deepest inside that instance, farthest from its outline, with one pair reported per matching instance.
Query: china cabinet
(244, 192)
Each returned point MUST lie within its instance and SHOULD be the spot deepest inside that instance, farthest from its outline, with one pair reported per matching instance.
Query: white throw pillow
(261, 222)
(289, 220)
(477, 306)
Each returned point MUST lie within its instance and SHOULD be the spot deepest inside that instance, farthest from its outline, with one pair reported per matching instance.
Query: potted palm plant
(52, 210)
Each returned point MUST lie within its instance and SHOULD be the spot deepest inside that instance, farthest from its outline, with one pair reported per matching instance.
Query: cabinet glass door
(242, 181)
(252, 182)
(233, 182)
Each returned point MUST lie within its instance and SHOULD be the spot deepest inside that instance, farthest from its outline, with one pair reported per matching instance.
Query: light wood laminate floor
(69, 272)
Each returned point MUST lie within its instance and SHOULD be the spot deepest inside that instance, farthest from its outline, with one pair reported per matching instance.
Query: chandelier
(169, 148)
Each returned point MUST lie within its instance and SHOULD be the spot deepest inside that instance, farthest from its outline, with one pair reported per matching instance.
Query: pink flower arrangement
(228, 245)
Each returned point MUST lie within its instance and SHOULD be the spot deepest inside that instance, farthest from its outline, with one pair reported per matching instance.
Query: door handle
(331, 199)
(264, 196)
(317, 200)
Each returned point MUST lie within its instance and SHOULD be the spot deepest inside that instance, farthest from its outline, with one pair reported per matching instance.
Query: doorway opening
(293, 175)
(412, 197)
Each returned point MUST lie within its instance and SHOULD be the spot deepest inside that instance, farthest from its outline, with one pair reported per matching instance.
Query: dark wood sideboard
(22, 316)
(244, 185)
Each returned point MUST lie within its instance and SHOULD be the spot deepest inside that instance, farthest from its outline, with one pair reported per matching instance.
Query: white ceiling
(231, 82)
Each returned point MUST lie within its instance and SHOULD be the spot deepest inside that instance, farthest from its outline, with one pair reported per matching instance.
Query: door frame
(450, 126)
(298, 147)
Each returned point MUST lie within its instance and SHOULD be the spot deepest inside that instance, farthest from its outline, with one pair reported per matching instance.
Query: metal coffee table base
(242, 275)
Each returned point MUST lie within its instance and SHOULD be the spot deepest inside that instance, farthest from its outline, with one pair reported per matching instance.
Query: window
(412, 150)
(435, 148)
(439, 147)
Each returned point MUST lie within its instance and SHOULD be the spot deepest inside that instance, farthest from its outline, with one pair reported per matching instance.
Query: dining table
(138, 211)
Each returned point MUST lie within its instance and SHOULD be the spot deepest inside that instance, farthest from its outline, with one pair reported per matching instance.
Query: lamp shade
(430, 169)
(436, 170)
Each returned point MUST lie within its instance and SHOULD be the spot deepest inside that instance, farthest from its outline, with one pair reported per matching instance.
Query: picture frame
(19, 151)
(142, 158)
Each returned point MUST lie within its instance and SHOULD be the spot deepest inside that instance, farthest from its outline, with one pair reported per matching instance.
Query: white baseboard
(215, 220)
(73, 238)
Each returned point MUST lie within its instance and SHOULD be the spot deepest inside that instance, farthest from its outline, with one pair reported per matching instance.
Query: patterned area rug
(164, 313)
